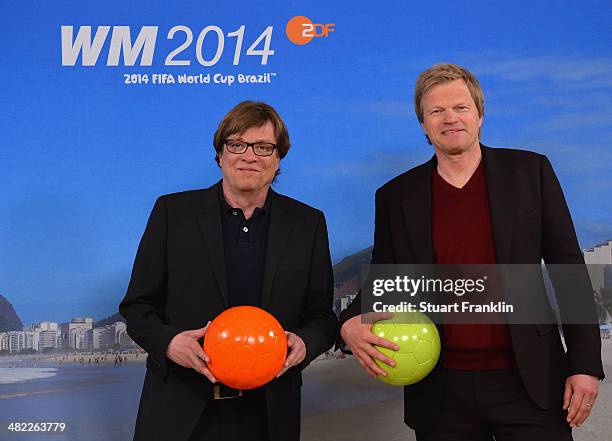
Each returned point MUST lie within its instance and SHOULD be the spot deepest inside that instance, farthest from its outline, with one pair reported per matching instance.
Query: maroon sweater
(461, 229)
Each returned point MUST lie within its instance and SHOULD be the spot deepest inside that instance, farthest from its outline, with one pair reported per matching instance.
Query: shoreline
(57, 360)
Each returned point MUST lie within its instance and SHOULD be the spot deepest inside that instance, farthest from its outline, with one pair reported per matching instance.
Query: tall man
(235, 243)
(471, 204)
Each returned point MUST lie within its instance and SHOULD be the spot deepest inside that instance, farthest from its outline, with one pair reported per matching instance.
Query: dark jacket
(530, 222)
(179, 283)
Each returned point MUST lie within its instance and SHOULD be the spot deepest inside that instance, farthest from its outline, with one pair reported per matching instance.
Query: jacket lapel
(501, 187)
(279, 231)
(416, 212)
(209, 219)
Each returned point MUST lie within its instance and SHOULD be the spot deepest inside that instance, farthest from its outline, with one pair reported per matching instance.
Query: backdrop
(107, 105)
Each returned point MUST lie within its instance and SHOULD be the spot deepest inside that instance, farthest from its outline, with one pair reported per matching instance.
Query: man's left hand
(296, 352)
(579, 397)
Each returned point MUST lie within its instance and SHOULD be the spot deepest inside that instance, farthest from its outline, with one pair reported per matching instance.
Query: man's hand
(579, 397)
(185, 350)
(359, 338)
(296, 352)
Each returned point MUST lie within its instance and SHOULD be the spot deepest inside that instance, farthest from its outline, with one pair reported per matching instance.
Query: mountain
(9, 320)
(347, 272)
(116, 317)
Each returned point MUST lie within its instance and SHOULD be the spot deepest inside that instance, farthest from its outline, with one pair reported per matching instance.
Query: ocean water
(96, 403)
(100, 403)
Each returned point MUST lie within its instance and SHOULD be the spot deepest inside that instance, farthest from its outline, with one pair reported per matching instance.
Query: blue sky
(83, 156)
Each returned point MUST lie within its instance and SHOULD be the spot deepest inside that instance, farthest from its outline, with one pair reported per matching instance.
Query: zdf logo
(301, 30)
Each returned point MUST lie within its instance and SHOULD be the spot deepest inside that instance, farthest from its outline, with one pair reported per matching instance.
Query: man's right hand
(185, 351)
(357, 334)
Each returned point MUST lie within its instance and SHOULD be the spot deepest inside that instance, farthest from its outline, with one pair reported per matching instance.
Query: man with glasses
(235, 243)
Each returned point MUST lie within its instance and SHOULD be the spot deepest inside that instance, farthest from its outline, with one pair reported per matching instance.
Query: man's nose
(450, 116)
(249, 154)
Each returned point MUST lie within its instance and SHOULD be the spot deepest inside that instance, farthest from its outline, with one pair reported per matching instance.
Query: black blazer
(530, 222)
(178, 283)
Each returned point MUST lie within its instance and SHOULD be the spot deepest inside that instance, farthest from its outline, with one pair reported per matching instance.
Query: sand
(383, 421)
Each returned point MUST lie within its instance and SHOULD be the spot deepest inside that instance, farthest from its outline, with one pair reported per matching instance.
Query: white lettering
(82, 43)
(121, 42)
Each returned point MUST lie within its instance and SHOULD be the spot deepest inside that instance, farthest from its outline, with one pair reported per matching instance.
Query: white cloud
(592, 72)
(378, 163)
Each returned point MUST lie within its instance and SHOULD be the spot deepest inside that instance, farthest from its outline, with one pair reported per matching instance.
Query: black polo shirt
(244, 244)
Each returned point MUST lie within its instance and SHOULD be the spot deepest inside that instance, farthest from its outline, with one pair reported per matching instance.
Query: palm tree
(603, 303)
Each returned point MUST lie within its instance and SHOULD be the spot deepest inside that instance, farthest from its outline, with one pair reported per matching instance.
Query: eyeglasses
(259, 148)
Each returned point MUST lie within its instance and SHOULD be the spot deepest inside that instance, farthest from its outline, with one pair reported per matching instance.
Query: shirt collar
(227, 208)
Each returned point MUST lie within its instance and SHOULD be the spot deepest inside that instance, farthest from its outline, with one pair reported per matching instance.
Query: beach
(99, 401)
(383, 420)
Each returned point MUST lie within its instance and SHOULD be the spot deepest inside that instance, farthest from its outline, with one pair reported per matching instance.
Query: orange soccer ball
(246, 346)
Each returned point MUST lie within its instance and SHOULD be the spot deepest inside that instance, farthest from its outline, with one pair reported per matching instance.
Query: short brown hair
(249, 114)
(443, 73)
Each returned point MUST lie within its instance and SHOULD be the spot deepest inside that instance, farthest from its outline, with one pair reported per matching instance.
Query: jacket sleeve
(560, 246)
(143, 304)
(318, 321)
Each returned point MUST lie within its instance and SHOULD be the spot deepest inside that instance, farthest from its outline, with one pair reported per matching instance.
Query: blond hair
(443, 73)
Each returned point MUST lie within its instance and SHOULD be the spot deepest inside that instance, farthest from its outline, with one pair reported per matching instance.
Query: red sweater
(461, 229)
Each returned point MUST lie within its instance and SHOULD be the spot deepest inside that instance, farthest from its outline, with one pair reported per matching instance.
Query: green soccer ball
(419, 347)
